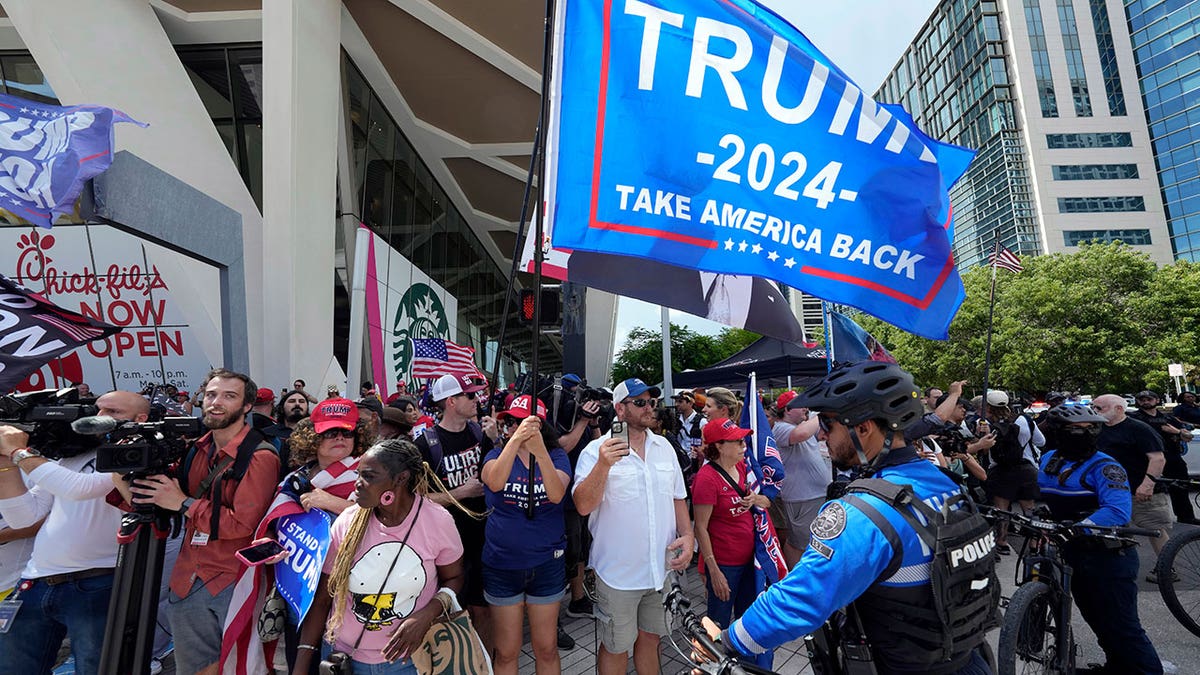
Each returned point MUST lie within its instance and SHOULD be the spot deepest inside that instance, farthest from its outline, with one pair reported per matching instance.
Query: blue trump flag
(49, 152)
(852, 343)
(714, 135)
(306, 536)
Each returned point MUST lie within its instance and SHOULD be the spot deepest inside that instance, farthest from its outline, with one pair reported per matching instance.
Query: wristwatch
(24, 454)
(187, 504)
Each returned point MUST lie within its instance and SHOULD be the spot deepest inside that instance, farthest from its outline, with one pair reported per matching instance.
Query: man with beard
(68, 580)
(1138, 449)
(1174, 435)
(868, 552)
(293, 407)
(634, 493)
(228, 481)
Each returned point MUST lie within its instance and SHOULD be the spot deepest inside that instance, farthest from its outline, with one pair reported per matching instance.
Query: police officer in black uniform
(1080, 484)
(871, 548)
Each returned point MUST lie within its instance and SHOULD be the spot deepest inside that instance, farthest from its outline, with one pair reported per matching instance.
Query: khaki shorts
(1154, 514)
(623, 613)
(800, 517)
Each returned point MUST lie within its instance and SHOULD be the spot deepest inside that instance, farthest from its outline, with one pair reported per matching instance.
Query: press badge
(200, 538)
(8, 610)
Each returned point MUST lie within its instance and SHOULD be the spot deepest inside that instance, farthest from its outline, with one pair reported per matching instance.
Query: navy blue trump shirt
(512, 541)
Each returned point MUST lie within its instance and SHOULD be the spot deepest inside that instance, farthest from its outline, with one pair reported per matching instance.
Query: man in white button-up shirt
(640, 528)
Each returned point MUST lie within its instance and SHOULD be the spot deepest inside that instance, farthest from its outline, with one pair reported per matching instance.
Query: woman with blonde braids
(391, 553)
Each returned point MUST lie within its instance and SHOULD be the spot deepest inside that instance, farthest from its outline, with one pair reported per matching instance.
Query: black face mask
(1077, 443)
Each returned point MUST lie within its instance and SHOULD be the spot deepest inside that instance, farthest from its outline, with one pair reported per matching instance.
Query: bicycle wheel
(1029, 640)
(1178, 572)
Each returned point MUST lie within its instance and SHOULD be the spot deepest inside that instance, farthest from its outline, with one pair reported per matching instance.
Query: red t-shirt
(731, 527)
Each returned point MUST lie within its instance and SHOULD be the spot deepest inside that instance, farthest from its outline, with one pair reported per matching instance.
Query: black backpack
(1008, 450)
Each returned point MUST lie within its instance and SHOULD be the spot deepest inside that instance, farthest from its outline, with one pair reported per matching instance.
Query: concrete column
(115, 53)
(300, 110)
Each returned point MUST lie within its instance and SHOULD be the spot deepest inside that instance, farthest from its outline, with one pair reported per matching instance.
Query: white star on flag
(755, 249)
(772, 256)
(729, 245)
(742, 247)
(789, 263)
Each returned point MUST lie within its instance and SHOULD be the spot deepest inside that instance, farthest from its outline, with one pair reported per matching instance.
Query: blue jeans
(50, 613)
(1105, 590)
(742, 592)
(542, 584)
(401, 667)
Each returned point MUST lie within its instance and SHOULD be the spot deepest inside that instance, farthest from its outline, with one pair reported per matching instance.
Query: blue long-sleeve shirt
(847, 554)
(1094, 491)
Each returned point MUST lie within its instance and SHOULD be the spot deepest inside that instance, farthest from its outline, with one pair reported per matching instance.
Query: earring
(387, 498)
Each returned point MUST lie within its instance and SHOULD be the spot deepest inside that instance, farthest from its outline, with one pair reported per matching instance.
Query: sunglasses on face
(511, 422)
(826, 423)
(469, 394)
(642, 402)
(337, 433)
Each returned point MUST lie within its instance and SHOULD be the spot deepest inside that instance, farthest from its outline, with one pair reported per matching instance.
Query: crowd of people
(498, 501)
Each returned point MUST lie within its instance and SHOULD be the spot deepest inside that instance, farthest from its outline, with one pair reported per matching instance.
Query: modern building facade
(1166, 44)
(288, 123)
(1045, 91)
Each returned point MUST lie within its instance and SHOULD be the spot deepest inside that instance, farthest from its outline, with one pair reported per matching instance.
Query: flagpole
(987, 352)
(828, 336)
(668, 384)
(539, 216)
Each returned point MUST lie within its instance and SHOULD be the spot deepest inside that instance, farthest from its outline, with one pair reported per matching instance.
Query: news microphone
(96, 425)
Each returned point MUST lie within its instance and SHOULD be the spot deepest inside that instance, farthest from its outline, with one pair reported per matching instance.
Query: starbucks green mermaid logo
(419, 315)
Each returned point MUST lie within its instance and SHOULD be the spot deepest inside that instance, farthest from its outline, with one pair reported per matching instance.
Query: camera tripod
(133, 609)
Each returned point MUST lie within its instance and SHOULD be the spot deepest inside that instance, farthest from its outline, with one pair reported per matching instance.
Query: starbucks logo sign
(420, 314)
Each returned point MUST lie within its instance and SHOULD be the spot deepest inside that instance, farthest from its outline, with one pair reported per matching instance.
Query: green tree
(1103, 319)
(641, 355)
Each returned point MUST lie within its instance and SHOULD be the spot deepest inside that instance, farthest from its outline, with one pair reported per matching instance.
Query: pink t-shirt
(376, 606)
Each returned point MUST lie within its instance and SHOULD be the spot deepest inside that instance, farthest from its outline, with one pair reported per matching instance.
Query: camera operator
(959, 446)
(66, 585)
(229, 479)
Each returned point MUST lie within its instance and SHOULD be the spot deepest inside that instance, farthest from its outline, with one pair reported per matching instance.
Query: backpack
(227, 468)
(1008, 450)
(436, 453)
(962, 572)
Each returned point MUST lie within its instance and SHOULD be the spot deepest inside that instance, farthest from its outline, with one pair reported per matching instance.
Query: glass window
(23, 77)
(1131, 237)
(1093, 140)
(1095, 171)
(1100, 204)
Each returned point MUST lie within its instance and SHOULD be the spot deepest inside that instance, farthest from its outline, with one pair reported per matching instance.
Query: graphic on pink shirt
(378, 597)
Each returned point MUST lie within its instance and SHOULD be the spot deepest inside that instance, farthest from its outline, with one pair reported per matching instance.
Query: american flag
(434, 357)
(1005, 259)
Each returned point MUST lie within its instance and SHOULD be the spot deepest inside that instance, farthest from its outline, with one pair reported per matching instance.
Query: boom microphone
(96, 425)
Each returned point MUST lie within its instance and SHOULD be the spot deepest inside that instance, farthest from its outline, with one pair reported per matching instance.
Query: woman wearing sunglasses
(524, 569)
(325, 448)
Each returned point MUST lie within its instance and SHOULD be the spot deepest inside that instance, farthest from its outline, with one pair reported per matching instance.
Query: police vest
(930, 628)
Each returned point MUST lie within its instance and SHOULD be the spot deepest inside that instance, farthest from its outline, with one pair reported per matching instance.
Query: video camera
(139, 448)
(953, 439)
(47, 417)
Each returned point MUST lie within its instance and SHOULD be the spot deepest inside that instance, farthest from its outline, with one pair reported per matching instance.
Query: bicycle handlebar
(676, 603)
(1066, 530)
(1188, 483)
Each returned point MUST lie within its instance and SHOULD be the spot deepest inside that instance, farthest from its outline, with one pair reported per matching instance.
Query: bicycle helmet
(1074, 413)
(864, 391)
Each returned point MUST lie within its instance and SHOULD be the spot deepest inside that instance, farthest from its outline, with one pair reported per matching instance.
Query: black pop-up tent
(773, 361)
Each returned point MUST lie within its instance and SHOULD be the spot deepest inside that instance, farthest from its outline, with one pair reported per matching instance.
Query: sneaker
(1153, 577)
(565, 641)
(580, 609)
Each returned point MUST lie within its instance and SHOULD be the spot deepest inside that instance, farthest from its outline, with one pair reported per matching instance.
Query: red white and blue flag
(1005, 259)
(242, 653)
(50, 152)
(434, 357)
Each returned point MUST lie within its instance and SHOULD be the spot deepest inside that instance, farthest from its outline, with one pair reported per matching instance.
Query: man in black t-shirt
(1139, 450)
(1173, 434)
(457, 458)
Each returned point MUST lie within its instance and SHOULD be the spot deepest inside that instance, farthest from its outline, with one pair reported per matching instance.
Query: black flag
(33, 332)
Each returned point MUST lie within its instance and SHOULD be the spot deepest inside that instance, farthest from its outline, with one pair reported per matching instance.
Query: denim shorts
(541, 585)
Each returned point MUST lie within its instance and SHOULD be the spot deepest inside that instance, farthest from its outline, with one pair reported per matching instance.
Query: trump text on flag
(713, 135)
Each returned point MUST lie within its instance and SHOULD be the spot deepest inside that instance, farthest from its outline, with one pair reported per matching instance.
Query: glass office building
(1166, 44)
(954, 79)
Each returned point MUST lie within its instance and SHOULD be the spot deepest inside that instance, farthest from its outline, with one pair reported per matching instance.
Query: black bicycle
(1036, 635)
(1178, 567)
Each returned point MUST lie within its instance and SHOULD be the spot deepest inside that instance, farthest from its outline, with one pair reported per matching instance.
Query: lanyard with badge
(10, 605)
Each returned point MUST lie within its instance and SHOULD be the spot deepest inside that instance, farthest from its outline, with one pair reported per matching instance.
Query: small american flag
(1005, 259)
(434, 357)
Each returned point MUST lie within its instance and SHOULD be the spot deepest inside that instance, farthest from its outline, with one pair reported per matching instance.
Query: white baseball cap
(997, 398)
(450, 385)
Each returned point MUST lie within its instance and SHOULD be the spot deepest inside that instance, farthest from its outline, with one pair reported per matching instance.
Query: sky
(865, 39)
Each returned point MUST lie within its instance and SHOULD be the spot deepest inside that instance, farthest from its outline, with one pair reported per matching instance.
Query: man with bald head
(65, 587)
(1139, 450)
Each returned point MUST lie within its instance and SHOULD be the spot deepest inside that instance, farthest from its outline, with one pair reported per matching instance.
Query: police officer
(865, 551)
(1080, 484)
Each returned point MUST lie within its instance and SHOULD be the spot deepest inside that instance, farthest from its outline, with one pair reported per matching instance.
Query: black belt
(56, 579)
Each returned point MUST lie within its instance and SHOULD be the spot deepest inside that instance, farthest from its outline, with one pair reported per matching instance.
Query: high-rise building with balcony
(1038, 88)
